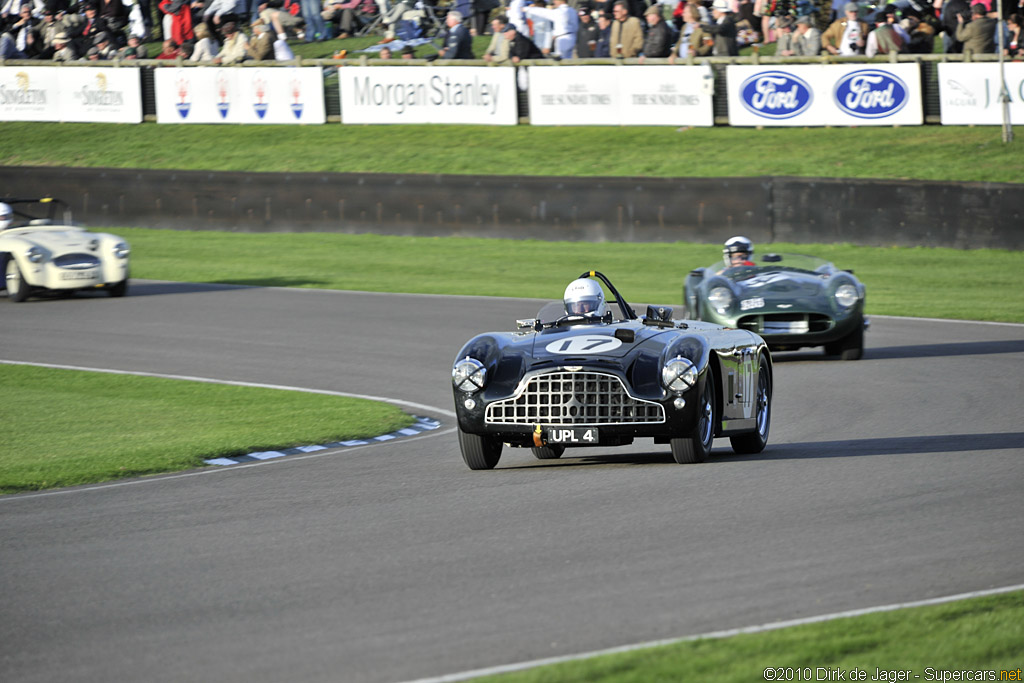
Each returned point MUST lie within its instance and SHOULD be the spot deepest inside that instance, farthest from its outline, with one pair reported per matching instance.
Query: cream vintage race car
(42, 251)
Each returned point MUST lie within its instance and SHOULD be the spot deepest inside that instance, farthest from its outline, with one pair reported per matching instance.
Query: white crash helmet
(584, 297)
(6, 215)
(737, 245)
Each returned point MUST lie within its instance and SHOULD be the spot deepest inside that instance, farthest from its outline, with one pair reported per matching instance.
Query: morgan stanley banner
(825, 95)
(417, 94)
(234, 95)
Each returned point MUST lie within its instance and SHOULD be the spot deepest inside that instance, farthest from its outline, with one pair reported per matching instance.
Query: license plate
(784, 327)
(79, 275)
(569, 435)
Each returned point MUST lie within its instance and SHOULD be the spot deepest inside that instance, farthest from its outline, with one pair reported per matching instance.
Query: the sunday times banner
(969, 93)
(240, 95)
(621, 95)
(417, 94)
(825, 95)
(82, 94)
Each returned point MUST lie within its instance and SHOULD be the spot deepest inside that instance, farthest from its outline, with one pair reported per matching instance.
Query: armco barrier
(766, 209)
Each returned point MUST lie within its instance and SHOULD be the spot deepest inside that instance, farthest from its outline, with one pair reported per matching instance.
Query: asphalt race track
(891, 479)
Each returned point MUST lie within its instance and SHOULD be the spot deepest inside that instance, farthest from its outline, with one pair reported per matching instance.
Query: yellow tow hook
(538, 441)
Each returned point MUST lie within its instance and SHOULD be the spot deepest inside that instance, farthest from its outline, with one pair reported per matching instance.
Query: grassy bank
(946, 283)
(67, 427)
(922, 152)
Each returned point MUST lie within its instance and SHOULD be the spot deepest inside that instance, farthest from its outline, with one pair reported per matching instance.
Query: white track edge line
(728, 633)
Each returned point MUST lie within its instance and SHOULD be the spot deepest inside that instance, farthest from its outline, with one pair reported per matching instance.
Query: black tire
(17, 288)
(697, 446)
(118, 289)
(754, 442)
(850, 347)
(549, 452)
(479, 452)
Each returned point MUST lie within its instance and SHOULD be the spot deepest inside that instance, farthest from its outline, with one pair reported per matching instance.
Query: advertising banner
(50, 93)
(240, 95)
(969, 93)
(825, 95)
(416, 94)
(621, 95)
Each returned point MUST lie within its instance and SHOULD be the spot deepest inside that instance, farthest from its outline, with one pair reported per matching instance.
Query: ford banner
(825, 95)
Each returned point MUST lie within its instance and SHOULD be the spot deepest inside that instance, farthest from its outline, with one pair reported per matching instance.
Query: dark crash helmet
(737, 245)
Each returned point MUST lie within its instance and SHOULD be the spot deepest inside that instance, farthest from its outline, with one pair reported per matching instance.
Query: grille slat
(574, 398)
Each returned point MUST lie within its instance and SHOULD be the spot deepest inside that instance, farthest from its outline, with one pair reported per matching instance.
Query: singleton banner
(969, 93)
(229, 95)
(825, 95)
(50, 93)
(416, 94)
(621, 95)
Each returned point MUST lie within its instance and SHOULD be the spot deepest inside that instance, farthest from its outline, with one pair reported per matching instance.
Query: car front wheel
(850, 347)
(118, 288)
(697, 446)
(549, 452)
(17, 288)
(479, 452)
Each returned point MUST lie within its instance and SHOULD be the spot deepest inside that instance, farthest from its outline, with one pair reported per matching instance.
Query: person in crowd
(43, 34)
(343, 14)
(64, 48)
(846, 36)
(497, 50)
(951, 9)
(694, 41)
(1013, 46)
(921, 33)
(481, 10)
(206, 47)
(806, 37)
(236, 44)
(604, 40)
(541, 30)
(21, 36)
(105, 46)
(564, 22)
(884, 39)
(658, 41)
(392, 15)
(177, 21)
(85, 33)
(316, 28)
(627, 35)
(408, 52)
(979, 34)
(170, 50)
(520, 47)
(517, 15)
(134, 50)
(281, 21)
(587, 35)
(785, 37)
(723, 28)
(459, 43)
(115, 15)
(260, 45)
(385, 53)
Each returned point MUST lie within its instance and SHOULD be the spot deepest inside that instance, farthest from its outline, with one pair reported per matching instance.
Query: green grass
(68, 427)
(978, 634)
(924, 152)
(923, 282)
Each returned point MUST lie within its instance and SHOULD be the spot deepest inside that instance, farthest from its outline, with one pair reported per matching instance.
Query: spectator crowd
(232, 31)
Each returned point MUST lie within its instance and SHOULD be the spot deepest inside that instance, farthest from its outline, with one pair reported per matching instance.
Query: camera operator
(846, 37)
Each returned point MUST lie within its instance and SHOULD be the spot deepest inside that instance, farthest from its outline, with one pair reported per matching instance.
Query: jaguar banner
(969, 94)
(825, 95)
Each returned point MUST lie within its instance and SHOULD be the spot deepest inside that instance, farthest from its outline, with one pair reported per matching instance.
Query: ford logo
(870, 94)
(776, 95)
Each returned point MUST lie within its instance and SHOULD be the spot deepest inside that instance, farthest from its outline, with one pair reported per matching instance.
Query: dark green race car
(791, 300)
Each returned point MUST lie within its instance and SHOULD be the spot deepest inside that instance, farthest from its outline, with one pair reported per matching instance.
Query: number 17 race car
(42, 251)
(579, 375)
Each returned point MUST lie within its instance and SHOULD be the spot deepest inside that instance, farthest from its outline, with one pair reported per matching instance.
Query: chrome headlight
(121, 250)
(846, 295)
(35, 254)
(469, 375)
(720, 298)
(679, 374)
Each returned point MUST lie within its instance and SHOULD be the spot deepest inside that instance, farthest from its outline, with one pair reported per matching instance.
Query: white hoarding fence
(292, 95)
(621, 95)
(825, 95)
(969, 94)
(415, 94)
(50, 93)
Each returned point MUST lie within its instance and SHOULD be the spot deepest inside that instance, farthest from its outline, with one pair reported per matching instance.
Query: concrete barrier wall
(766, 209)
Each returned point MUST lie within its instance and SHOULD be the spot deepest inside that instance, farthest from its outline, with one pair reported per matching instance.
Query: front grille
(786, 323)
(77, 261)
(574, 398)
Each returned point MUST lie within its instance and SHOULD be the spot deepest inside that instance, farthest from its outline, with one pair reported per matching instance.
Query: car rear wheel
(17, 288)
(850, 347)
(549, 452)
(697, 446)
(754, 442)
(479, 452)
